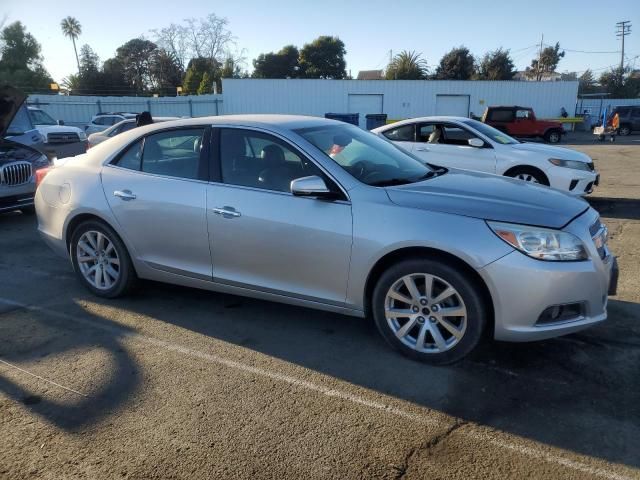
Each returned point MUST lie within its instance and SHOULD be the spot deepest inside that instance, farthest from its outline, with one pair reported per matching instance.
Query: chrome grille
(17, 173)
(63, 137)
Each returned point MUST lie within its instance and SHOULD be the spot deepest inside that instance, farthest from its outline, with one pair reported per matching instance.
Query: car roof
(267, 121)
(440, 118)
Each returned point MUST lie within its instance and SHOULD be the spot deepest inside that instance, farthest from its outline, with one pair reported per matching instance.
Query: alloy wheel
(98, 260)
(527, 177)
(426, 313)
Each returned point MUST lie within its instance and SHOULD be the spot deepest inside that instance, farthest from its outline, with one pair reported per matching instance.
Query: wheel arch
(81, 217)
(406, 253)
(512, 170)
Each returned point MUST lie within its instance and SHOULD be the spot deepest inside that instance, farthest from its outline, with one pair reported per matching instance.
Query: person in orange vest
(615, 125)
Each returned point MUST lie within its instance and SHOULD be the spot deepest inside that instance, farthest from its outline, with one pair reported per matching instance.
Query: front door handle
(226, 212)
(125, 195)
(422, 149)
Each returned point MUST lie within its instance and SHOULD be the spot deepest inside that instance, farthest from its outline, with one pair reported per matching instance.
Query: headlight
(541, 243)
(575, 164)
(82, 136)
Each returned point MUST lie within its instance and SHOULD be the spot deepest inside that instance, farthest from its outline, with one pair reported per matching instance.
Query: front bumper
(576, 182)
(522, 288)
(16, 197)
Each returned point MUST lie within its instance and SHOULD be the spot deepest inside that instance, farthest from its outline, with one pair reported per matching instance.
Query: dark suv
(629, 116)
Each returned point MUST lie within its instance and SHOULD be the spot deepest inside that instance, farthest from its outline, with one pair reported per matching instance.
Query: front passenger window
(255, 159)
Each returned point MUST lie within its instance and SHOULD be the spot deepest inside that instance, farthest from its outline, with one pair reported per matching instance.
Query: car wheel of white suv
(101, 261)
(429, 310)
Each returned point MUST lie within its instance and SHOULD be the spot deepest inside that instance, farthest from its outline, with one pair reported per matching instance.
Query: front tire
(624, 130)
(527, 174)
(552, 136)
(429, 310)
(101, 261)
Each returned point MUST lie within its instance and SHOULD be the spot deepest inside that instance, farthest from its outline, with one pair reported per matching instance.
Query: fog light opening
(566, 312)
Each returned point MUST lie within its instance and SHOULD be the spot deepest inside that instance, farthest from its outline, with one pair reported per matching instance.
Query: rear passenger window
(131, 157)
(401, 134)
(175, 153)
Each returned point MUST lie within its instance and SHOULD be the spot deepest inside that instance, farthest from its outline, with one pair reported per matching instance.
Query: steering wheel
(359, 170)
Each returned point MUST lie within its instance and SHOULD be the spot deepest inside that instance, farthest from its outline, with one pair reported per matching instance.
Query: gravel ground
(179, 383)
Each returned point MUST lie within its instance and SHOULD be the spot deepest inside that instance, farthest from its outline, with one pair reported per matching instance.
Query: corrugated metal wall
(401, 99)
(78, 110)
(595, 106)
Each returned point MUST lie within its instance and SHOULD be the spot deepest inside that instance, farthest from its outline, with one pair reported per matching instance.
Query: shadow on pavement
(578, 392)
(36, 337)
(623, 208)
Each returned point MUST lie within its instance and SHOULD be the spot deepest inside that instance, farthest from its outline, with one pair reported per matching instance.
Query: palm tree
(71, 28)
(407, 66)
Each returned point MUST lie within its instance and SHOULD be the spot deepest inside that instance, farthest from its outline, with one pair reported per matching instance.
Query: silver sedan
(319, 213)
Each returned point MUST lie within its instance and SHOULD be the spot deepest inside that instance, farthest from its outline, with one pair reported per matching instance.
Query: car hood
(551, 151)
(10, 101)
(58, 129)
(490, 197)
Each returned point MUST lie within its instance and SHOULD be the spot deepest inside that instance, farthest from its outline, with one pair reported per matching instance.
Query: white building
(397, 98)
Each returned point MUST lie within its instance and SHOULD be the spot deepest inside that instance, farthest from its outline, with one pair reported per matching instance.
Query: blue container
(375, 120)
(352, 118)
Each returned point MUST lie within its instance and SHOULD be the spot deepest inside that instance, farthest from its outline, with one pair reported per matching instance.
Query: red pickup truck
(522, 122)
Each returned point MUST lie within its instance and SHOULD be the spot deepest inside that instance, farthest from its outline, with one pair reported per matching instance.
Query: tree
(195, 72)
(587, 83)
(407, 66)
(20, 60)
(71, 28)
(136, 57)
(457, 64)
(206, 84)
(496, 65)
(549, 59)
(90, 78)
(165, 72)
(113, 75)
(283, 64)
(323, 58)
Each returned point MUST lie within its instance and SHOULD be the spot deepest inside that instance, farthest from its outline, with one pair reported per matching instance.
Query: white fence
(78, 110)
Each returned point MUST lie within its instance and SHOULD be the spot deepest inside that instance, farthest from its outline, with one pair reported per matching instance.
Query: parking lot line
(42, 378)
(481, 435)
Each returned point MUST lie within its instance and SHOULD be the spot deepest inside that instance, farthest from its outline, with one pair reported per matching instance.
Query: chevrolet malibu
(321, 214)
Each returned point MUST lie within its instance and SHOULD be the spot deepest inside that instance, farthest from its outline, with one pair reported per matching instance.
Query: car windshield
(367, 157)
(38, 117)
(488, 131)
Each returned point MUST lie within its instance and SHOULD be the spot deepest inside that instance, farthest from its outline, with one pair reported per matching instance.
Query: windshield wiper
(390, 182)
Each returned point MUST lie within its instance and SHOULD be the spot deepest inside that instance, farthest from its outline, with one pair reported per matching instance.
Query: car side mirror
(60, 122)
(475, 142)
(312, 186)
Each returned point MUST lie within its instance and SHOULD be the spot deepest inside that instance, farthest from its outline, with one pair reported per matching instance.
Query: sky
(370, 29)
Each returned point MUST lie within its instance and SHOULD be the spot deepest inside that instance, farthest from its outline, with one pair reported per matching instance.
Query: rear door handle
(226, 212)
(422, 149)
(125, 195)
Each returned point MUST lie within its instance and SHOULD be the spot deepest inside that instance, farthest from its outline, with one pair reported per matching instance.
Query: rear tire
(528, 174)
(101, 261)
(553, 136)
(440, 321)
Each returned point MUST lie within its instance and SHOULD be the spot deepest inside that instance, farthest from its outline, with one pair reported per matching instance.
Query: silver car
(319, 213)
